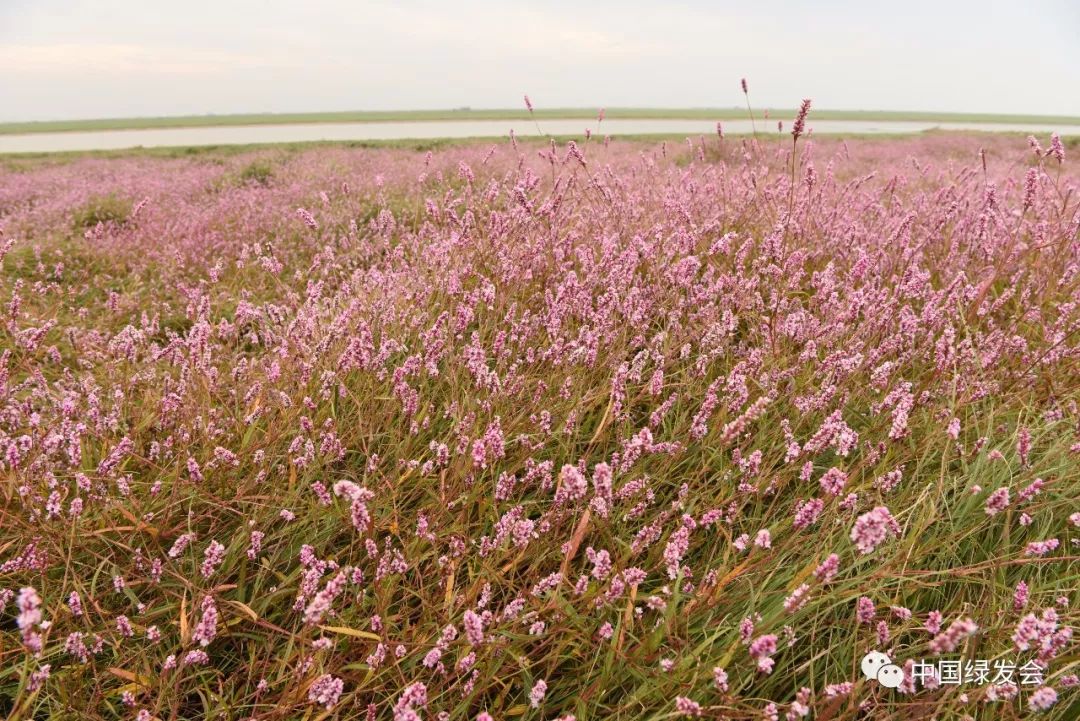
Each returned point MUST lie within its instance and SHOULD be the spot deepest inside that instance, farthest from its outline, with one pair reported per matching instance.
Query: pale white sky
(109, 58)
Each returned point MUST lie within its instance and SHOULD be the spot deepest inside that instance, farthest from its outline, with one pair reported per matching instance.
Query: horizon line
(208, 119)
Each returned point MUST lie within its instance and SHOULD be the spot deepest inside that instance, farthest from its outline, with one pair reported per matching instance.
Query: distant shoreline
(424, 145)
(587, 114)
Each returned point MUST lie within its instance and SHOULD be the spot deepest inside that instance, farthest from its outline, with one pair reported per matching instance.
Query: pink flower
(807, 512)
(1020, 596)
(307, 218)
(212, 558)
(601, 561)
(953, 430)
(414, 696)
(720, 678)
(1057, 149)
(573, 485)
(761, 649)
(206, 629)
(797, 599)
(323, 601)
(1041, 548)
(838, 689)
(1023, 444)
(800, 707)
(325, 691)
(833, 481)
(957, 631)
(676, 547)
(873, 528)
(1031, 185)
(799, 127)
(997, 502)
(1042, 698)
(180, 544)
(474, 628)
(536, 695)
(1031, 490)
(255, 545)
(828, 568)
(686, 707)
(882, 633)
(29, 618)
(864, 610)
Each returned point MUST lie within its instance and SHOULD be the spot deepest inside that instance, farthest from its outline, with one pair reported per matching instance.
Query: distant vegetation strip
(194, 121)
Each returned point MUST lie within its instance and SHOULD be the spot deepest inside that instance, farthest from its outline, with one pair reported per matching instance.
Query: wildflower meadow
(497, 430)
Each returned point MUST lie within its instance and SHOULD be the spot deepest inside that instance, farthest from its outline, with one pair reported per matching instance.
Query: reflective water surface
(234, 135)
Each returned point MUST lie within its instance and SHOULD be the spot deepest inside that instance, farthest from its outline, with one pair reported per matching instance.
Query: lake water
(235, 135)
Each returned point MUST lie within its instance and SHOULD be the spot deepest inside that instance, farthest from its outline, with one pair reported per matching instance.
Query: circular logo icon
(890, 675)
(872, 663)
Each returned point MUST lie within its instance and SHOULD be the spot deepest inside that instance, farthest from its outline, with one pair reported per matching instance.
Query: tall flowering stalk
(532, 115)
(746, 95)
(797, 130)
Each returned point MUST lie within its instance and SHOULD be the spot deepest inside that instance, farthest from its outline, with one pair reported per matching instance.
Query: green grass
(371, 116)
(108, 208)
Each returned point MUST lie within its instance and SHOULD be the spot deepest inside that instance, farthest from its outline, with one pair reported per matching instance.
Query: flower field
(609, 430)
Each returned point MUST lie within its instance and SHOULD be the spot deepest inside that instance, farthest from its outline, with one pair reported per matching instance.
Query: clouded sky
(109, 58)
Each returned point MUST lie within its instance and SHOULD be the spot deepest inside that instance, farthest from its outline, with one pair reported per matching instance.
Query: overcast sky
(108, 58)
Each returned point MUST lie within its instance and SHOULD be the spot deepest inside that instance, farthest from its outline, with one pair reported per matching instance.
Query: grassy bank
(368, 116)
